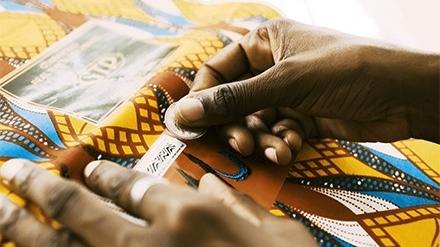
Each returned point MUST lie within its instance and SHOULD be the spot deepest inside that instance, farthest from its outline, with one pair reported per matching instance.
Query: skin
(287, 81)
(280, 84)
(215, 215)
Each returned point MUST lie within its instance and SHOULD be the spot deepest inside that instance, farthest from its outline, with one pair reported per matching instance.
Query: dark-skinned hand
(287, 81)
(215, 215)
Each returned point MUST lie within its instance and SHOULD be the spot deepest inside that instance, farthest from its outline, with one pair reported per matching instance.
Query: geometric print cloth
(346, 193)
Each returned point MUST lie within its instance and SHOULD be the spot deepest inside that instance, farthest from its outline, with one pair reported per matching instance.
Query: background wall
(412, 23)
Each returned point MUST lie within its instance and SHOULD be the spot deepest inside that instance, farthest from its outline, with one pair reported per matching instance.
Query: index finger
(224, 66)
(252, 53)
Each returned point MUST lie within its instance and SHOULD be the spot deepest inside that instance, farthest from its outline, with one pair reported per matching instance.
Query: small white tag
(160, 156)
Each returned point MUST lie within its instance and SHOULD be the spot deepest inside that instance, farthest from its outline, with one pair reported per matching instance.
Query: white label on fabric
(160, 156)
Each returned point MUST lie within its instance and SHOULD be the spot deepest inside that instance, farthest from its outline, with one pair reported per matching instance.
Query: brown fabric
(171, 83)
(5, 68)
(72, 162)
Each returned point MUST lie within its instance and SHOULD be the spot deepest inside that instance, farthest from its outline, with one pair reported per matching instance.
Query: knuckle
(234, 197)
(23, 182)
(279, 27)
(281, 32)
(262, 33)
(283, 74)
(254, 123)
(188, 209)
(202, 214)
(203, 210)
(118, 183)
(9, 215)
(62, 198)
(223, 102)
(225, 98)
(209, 69)
(56, 239)
(275, 24)
(285, 65)
(113, 182)
(281, 22)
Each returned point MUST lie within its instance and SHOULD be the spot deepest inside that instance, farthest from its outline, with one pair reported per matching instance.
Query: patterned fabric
(348, 194)
(366, 194)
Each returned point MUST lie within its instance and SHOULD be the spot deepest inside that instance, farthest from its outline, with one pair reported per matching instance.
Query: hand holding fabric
(286, 81)
(215, 215)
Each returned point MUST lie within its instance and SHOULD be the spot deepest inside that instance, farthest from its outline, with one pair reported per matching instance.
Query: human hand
(286, 81)
(216, 215)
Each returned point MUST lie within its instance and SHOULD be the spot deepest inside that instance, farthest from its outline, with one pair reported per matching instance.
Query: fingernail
(286, 140)
(233, 143)
(190, 109)
(10, 168)
(271, 154)
(91, 167)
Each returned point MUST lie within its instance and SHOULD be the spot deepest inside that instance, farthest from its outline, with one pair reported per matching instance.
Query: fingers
(268, 116)
(273, 148)
(18, 225)
(224, 66)
(231, 101)
(112, 181)
(251, 53)
(303, 124)
(178, 215)
(216, 99)
(291, 132)
(274, 141)
(293, 140)
(66, 201)
(132, 190)
(238, 202)
(238, 137)
(247, 209)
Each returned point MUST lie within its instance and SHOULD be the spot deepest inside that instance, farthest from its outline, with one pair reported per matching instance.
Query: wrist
(413, 79)
(423, 124)
(423, 100)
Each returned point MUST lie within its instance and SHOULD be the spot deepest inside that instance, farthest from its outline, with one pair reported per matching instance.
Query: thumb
(231, 101)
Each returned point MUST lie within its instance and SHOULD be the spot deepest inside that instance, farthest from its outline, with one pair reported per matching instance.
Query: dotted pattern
(364, 184)
(163, 99)
(321, 236)
(418, 161)
(383, 166)
(21, 132)
(185, 73)
(321, 172)
(16, 62)
(363, 203)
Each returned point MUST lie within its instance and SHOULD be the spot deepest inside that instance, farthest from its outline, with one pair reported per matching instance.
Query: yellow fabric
(27, 31)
